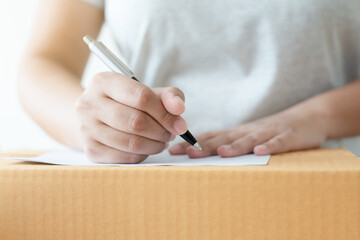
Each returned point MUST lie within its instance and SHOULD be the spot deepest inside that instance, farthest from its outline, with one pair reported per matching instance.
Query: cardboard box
(301, 195)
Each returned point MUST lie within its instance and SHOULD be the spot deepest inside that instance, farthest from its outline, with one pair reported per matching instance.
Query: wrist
(314, 115)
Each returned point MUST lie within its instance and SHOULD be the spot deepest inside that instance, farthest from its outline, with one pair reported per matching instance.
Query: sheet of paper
(77, 158)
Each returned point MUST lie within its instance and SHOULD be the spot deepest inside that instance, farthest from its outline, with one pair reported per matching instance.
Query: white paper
(77, 158)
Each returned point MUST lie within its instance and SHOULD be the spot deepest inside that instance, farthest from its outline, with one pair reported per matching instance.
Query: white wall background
(17, 130)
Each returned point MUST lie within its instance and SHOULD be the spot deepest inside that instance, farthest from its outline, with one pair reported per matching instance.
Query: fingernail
(179, 99)
(180, 126)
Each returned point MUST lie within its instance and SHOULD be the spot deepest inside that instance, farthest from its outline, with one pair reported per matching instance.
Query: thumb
(172, 98)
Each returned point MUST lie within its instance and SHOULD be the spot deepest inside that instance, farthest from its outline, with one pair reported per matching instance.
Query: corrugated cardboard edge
(301, 195)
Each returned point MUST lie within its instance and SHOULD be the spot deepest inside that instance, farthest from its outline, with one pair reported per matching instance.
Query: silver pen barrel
(110, 60)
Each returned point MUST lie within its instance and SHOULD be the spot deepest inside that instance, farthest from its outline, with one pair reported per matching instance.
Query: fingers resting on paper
(275, 134)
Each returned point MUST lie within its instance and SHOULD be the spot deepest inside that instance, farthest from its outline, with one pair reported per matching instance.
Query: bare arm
(330, 115)
(55, 58)
(338, 110)
(116, 119)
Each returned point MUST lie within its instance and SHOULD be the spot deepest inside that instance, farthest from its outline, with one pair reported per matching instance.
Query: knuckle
(116, 116)
(252, 138)
(83, 128)
(98, 79)
(142, 95)
(135, 143)
(83, 103)
(228, 138)
(280, 142)
(137, 121)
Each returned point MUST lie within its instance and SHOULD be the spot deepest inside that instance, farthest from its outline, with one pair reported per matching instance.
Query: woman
(265, 77)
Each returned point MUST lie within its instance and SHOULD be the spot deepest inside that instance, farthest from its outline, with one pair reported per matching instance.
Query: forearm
(48, 92)
(337, 112)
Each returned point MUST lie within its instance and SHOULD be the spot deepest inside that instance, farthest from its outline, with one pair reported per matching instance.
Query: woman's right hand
(124, 121)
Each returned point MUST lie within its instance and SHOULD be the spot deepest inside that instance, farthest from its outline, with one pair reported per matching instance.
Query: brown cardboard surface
(301, 195)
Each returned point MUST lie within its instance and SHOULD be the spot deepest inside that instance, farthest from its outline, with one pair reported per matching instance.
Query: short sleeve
(96, 3)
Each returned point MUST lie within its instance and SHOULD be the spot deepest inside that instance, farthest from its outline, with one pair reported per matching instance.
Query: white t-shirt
(238, 60)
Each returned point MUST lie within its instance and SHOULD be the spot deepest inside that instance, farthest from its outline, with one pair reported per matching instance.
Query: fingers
(172, 98)
(141, 97)
(180, 149)
(210, 146)
(225, 143)
(130, 120)
(245, 144)
(278, 144)
(125, 142)
(100, 153)
(117, 121)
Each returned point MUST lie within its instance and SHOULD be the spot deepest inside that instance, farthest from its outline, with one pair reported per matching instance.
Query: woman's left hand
(283, 132)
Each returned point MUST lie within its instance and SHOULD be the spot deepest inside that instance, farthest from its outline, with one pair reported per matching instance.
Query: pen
(116, 65)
